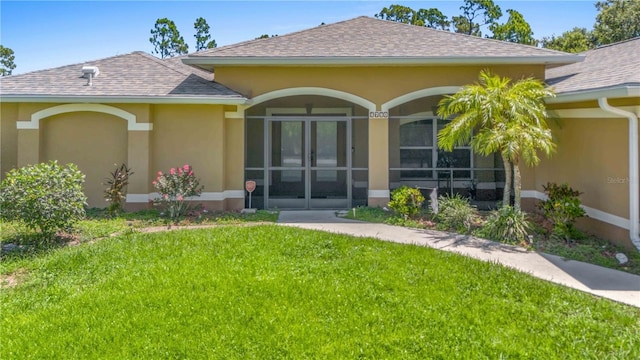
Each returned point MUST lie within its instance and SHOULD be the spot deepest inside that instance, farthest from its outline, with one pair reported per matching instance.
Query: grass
(588, 248)
(98, 225)
(276, 292)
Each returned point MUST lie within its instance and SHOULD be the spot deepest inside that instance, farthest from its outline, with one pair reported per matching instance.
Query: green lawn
(269, 292)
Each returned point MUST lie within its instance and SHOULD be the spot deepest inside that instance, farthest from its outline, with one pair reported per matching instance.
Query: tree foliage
(432, 18)
(166, 39)
(497, 116)
(6, 61)
(516, 30)
(617, 20)
(203, 37)
(575, 40)
(475, 14)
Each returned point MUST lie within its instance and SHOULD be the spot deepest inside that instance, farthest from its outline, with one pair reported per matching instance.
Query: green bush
(115, 193)
(45, 197)
(508, 225)
(562, 208)
(406, 201)
(455, 213)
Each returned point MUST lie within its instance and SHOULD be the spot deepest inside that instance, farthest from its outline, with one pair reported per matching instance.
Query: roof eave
(624, 91)
(125, 99)
(208, 61)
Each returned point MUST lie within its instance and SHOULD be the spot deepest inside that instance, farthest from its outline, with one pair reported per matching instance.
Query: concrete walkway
(612, 284)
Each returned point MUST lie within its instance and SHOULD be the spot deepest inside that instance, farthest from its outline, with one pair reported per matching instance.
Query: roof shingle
(369, 37)
(131, 75)
(609, 66)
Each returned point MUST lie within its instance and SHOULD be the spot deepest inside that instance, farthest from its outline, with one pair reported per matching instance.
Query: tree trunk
(517, 184)
(506, 197)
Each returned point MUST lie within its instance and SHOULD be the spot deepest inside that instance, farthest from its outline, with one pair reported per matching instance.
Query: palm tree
(505, 118)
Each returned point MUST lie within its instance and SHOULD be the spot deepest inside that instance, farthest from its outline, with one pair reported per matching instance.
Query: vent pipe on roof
(90, 72)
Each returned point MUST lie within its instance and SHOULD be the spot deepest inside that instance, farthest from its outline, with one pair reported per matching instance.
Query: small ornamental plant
(174, 188)
(562, 208)
(406, 201)
(115, 192)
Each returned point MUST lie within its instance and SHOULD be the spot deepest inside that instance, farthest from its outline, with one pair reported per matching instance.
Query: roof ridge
(163, 63)
(614, 44)
(453, 33)
(74, 64)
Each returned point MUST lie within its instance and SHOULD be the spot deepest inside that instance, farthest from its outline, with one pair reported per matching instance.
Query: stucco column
(234, 164)
(378, 194)
(138, 159)
(28, 147)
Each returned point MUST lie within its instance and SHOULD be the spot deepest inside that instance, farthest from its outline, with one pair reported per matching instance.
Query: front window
(420, 157)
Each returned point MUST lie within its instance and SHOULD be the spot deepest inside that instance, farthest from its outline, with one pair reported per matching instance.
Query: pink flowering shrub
(174, 187)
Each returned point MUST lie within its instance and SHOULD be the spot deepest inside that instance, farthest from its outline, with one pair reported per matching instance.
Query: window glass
(417, 133)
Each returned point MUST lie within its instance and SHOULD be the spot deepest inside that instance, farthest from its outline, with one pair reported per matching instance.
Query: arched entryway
(307, 148)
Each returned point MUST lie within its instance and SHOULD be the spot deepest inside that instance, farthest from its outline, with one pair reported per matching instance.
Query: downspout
(634, 188)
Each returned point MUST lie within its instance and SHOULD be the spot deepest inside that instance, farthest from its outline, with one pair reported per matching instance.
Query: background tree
(434, 18)
(497, 116)
(573, 41)
(265, 36)
(400, 13)
(516, 30)
(475, 14)
(166, 39)
(6, 61)
(203, 38)
(617, 20)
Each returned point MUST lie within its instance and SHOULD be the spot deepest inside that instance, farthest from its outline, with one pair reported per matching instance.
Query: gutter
(616, 91)
(634, 179)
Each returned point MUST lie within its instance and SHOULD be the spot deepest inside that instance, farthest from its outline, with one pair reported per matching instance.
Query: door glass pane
(286, 189)
(336, 189)
(287, 143)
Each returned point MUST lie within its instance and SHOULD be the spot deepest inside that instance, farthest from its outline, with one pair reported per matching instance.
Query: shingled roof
(607, 67)
(367, 40)
(132, 76)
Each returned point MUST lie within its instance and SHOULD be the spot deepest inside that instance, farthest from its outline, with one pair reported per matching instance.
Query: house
(330, 117)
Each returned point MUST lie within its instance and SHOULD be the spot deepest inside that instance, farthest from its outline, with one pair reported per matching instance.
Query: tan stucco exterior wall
(374, 83)
(95, 142)
(193, 135)
(8, 138)
(591, 154)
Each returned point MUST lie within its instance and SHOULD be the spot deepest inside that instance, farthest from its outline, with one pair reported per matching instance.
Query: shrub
(45, 197)
(562, 208)
(406, 201)
(508, 225)
(174, 187)
(115, 192)
(455, 212)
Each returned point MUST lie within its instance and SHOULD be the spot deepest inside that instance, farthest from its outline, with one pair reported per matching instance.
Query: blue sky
(46, 34)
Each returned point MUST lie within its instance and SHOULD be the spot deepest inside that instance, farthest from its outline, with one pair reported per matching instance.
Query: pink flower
(172, 171)
(180, 171)
(186, 168)
(190, 173)
(180, 198)
(159, 173)
(154, 183)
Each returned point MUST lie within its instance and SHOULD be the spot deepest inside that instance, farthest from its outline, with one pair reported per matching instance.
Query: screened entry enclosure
(307, 157)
